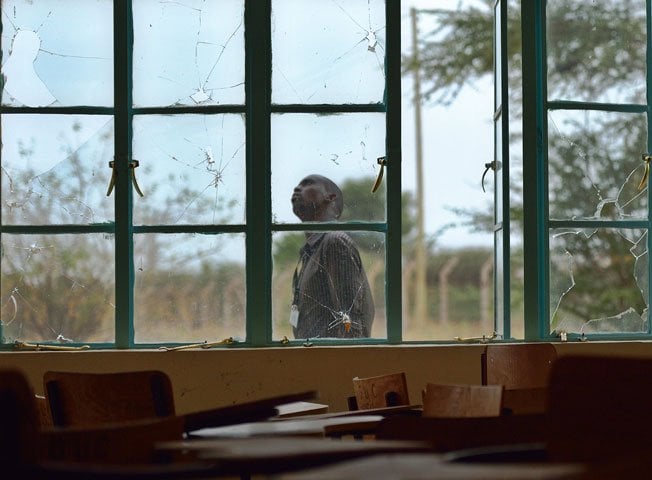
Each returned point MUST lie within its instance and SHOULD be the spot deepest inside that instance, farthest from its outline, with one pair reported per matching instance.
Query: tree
(595, 52)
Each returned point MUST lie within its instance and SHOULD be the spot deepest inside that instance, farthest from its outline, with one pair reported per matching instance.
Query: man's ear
(331, 197)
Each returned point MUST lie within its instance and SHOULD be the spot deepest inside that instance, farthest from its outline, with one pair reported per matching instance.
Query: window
(586, 104)
(150, 149)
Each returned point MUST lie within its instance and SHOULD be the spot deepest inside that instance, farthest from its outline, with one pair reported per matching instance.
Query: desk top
(429, 466)
(297, 409)
(277, 454)
(295, 426)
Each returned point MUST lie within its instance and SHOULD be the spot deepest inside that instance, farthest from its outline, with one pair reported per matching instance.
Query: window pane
(328, 52)
(596, 51)
(57, 53)
(191, 169)
(595, 165)
(498, 50)
(448, 134)
(55, 169)
(598, 280)
(188, 53)
(499, 214)
(344, 148)
(332, 290)
(58, 288)
(189, 288)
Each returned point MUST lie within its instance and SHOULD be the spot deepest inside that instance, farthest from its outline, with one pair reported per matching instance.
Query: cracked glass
(598, 280)
(595, 168)
(57, 288)
(57, 53)
(189, 287)
(336, 286)
(55, 169)
(188, 52)
(342, 56)
(192, 169)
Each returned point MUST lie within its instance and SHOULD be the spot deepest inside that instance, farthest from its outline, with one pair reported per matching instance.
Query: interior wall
(209, 378)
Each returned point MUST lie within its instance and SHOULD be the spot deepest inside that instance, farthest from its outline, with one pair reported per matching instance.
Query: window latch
(382, 161)
(133, 164)
(487, 166)
(646, 157)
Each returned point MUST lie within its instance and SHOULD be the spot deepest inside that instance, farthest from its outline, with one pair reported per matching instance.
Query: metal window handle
(382, 161)
(133, 164)
(646, 157)
(487, 166)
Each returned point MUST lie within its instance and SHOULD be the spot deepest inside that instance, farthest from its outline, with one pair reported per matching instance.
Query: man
(332, 297)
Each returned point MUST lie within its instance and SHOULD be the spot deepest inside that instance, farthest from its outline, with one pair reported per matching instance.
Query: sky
(340, 61)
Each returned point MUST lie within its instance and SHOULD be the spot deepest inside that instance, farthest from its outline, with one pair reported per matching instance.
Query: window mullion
(258, 104)
(124, 265)
(535, 233)
(393, 146)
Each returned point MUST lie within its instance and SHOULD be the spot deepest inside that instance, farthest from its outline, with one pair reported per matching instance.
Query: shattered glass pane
(57, 288)
(57, 52)
(596, 50)
(598, 280)
(55, 169)
(342, 147)
(339, 306)
(341, 47)
(595, 168)
(192, 169)
(189, 287)
(188, 52)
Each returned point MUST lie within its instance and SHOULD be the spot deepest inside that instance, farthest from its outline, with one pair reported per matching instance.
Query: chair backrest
(524, 365)
(18, 420)
(99, 398)
(388, 390)
(599, 408)
(462, 400)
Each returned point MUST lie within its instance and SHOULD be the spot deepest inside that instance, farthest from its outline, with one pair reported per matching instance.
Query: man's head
(317, 198)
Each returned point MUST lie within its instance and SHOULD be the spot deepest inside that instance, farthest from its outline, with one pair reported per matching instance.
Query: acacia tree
(595, 52)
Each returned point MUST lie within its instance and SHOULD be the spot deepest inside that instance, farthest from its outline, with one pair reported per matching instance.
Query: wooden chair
(441, 400)
(119, 451)
(95, 398)
(598, 414)
(518, 365)
(599, 408)
(388, 390)
(86, 399)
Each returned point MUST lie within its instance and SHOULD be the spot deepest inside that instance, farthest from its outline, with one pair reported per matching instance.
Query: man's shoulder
(337, 238)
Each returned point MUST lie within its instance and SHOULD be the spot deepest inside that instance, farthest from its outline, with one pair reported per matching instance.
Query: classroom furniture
(417, 466)
(98, 398)
(525, 365)
(120, 451)
(457, 433)
(272, 455)
(443, 400)
(599, 408)
(77, 398)
(386, 390)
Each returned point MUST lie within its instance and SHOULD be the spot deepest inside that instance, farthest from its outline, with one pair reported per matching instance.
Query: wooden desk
(268, 455)
(299, 409)
(413, 410)
(303, 426)
(432, 466)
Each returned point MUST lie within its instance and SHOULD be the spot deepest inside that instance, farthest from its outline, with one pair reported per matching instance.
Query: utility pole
(420, 294)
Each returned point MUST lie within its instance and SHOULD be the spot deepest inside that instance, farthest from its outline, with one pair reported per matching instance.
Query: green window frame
(258, 228)
(550, 116)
